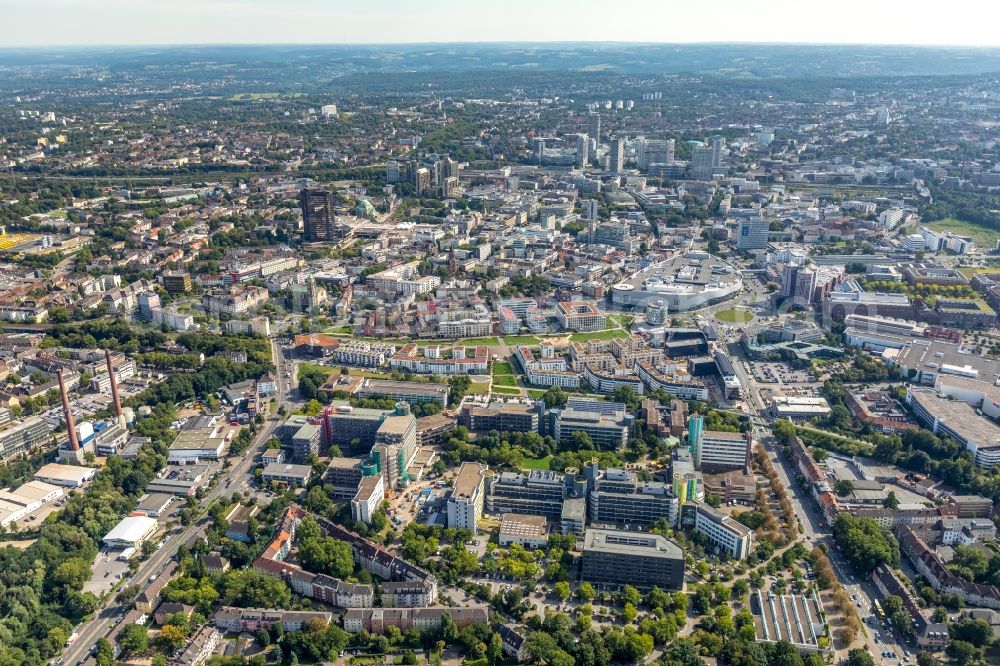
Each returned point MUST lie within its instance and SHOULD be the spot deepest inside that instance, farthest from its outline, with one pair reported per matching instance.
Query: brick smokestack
(114, 384)
(74, 443)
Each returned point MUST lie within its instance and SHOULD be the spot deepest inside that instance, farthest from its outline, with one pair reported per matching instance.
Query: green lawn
(339, 330)
(734, 316)
(536, 463)
(985, 238)
(599, 335)
(521, 340)
(537, 394)
(479, 341)
(504, 380)
(621, 320)
(506, 390)
(325, 369)
(502, 368)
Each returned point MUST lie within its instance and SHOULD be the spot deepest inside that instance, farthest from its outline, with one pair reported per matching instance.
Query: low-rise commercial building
(71, 476)
(798, 408)
(194, 444)
(154, 505)
(793, 618)
(288, 474)
(412, 392)
(524, 530)
(130, 532)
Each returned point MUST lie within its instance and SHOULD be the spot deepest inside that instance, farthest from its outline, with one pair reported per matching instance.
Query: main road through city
(862, 593)
(230, 481)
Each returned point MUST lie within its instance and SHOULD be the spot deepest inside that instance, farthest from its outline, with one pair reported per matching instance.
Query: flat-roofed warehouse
(154, 504)
(194, 444)
(798, 407)
(33, 494)
(131, 532)
(924, 359)
(960, 422)
(71, 476)
(16, 504)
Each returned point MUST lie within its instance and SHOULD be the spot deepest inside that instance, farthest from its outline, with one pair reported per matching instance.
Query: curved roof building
(683, 282)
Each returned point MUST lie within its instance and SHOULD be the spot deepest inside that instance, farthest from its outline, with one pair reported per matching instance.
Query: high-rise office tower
(582, 150)
(752, 234)
(716, 151)
(617, 160)
(392, 171)
(788, 277)
(701, 167)
(421, 180)
(594, 126)
(805, 287)
(655, 151)
(317, 215)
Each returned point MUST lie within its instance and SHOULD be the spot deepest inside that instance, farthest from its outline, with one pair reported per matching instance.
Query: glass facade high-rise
(696, 428)
(317, 215)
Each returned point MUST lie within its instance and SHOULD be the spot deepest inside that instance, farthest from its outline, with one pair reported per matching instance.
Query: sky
(116, 22)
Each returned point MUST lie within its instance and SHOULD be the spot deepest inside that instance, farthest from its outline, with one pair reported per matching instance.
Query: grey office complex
(605, 431)
(344, 424)
(305, 442)
(628, 558)
(619, 498)
(502, 418)
(538, 493)
(23, 437)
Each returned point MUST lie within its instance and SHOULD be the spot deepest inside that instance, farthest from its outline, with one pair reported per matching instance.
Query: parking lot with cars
(779, 372)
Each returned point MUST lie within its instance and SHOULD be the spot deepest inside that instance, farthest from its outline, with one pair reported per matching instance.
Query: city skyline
(116, 22)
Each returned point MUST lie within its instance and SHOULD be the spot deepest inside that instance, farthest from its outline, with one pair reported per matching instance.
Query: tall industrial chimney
(74, 443)
(114, 389)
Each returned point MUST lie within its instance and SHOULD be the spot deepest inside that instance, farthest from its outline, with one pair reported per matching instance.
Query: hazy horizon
(121, 23)
(549, 43)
